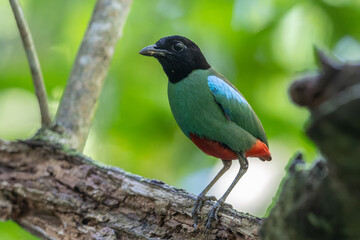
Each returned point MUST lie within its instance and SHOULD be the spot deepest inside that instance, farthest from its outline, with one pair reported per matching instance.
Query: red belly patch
(216, 149)
(213, 148)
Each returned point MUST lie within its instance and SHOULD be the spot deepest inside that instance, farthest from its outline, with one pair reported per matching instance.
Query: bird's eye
(178, 46)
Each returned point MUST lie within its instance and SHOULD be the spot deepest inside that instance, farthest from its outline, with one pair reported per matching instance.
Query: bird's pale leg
(213, 214)
(201, 197)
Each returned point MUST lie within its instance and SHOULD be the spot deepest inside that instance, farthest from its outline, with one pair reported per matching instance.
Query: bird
(210, 111)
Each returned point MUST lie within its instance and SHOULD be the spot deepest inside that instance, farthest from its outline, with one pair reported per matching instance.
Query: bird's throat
(178, 70)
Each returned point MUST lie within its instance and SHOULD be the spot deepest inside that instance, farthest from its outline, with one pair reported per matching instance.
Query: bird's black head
(178, 56)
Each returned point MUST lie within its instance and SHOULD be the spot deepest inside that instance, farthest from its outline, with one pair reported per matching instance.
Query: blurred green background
(259, 45)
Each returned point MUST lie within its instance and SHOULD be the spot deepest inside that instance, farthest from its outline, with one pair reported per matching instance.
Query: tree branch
(34, 64)
(77, 107)
(322, 202)
(54, 195)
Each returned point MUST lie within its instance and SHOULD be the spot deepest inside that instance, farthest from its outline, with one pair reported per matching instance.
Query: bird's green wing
(235, 106)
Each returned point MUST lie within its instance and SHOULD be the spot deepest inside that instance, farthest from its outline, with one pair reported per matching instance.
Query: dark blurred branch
(323, 201)
(59, 195)
(77, 107)
(33, 63)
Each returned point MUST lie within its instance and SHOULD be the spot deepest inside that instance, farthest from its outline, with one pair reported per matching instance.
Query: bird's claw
(196, 209)
(213, 214)
(198, 205)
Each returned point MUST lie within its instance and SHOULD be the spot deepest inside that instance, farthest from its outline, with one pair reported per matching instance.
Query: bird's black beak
(153, 51)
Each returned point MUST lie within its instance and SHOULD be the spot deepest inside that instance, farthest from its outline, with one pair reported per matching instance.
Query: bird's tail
(260, 150)
(267, 158)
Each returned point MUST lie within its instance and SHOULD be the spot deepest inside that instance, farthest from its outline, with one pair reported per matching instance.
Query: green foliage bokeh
(259, 45)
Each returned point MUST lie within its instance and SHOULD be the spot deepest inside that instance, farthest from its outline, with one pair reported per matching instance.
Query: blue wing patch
(235, 107)
(221, 89)
(219, 86)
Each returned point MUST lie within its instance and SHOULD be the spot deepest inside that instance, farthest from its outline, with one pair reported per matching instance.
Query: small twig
(33, 63)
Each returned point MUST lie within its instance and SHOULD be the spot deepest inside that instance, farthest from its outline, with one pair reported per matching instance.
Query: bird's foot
(213, 214)
(198, 205)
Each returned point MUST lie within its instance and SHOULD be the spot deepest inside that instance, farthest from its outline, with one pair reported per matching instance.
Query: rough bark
(57, 194)
(323, 201)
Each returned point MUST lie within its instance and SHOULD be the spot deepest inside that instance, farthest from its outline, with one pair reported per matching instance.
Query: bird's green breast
(196, 111)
